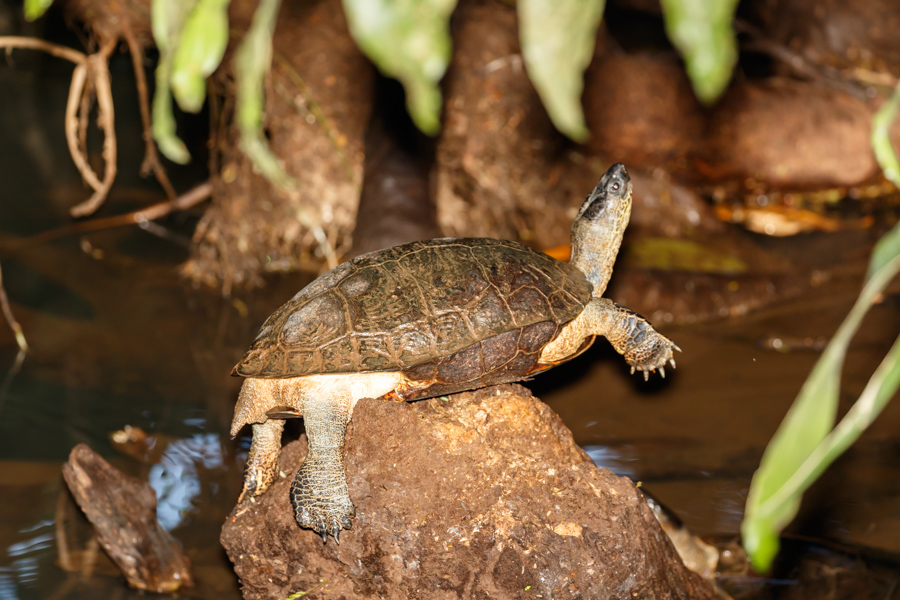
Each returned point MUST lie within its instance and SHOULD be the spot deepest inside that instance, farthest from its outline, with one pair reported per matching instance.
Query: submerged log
(481, 494)
(122, 510)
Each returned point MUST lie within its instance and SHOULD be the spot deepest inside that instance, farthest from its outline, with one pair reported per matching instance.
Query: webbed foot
(653, 352)
(320, 498)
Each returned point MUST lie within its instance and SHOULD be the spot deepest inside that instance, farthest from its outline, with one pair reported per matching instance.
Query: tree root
(91, 79)
(10, 319)
(139, 217)
(94, 67)
(151, 161)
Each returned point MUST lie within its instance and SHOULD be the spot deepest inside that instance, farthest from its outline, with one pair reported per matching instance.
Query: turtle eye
(616, 186)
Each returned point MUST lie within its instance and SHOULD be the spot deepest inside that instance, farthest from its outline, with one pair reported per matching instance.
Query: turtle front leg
(262, 460)
(644, 348)
(319, 492)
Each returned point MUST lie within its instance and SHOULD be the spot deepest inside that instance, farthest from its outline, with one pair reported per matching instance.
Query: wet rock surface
(476, 495)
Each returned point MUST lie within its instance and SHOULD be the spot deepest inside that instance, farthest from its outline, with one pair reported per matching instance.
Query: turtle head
(598, 229)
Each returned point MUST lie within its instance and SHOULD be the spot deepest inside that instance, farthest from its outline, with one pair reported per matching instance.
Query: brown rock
(790, 134)
(479, 495)
(641, 110)
(847, 35)
(122, 510)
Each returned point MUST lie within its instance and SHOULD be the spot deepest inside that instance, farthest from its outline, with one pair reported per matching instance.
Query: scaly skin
(599, 227)
(262, 460)
(643, 348)
(319, 492)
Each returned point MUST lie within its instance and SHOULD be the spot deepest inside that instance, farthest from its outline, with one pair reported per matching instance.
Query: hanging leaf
(702, 32)
(199, 52)
(558, 38)
(35, 9)
(167, 18)
(881, 139)
(251, 63)
(410, 41)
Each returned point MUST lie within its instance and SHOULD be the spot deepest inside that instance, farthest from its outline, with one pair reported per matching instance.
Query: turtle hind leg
(319, 491)
(262, 460)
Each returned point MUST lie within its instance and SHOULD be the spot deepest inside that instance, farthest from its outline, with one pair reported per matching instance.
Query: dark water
(118, 339)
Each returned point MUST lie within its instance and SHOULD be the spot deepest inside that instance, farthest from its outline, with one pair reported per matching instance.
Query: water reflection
(621, 460)
(24, 569)
(176, 480)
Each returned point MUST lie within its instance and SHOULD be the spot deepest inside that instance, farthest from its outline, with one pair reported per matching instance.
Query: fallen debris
(122, 510)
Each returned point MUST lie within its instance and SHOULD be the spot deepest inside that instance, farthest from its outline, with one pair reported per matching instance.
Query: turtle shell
(416, 304)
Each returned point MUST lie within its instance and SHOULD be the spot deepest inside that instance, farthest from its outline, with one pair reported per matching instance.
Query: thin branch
(799, 63)
(153, 212)
(11, 41)
(96, 67)
(151, 156)
(10, 319)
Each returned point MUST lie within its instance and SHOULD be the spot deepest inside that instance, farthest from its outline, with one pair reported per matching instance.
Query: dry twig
(138, 217)
(10, 319)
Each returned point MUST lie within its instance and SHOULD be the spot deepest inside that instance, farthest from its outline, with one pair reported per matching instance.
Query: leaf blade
(408, 40)
(557, 38)
(199, 52)
(701, 31)
(794, 459)
(35, 9)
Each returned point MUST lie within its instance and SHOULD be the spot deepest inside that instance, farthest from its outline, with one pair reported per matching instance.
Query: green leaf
(199, 52)
(410, 41)
(886, 250)
(251, 63)
(35, 9)
(558, 38)
(701, 31)
(880, 138)
(803, 446)
(167, 18)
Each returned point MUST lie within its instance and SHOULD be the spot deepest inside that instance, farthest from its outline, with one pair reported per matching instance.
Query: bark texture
(122, 510)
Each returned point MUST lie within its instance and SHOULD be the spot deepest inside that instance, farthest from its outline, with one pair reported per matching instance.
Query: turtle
(426, 319)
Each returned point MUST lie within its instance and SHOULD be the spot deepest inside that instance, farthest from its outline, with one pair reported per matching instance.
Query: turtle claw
(325, 513)
(652, 354)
